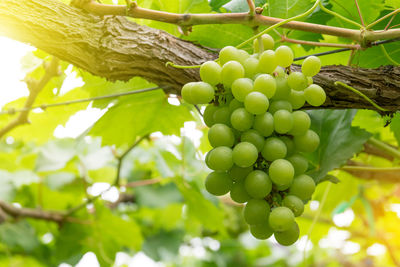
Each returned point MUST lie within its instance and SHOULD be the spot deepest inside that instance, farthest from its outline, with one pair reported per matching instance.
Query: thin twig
(390, 22)
(385, 53)
(369, 26)
(121, 158)
(359, 13)
(302, 42)
(142, 183)
(34, 89)
(252, 7)
(77, 101)
(339, 16)
(385, 147)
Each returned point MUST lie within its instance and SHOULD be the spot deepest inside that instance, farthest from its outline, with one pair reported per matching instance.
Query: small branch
(390, 22)
(384, 147)
(252, 7)
(339, 16)
(382, 175)
(359, 13)
(34, 90)
(382, 18)
(53, 216)
(142, 183)
(373, 150)
(302, 42)
(77, 101)
(121, 158)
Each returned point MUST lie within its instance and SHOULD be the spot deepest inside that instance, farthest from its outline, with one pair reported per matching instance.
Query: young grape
(222, 115)
(273, 149)
(297, 81)
(261, 231)
(289, 237)
(256, 211)
(231, 71)
(311, 66)
(220, 159)
(228, 53)
(267, 62)
(241, 88)
(254, 137)
(283, 121)
(210, 72)
(258, 184)
(279, 105)
(297, 99)
(241, 119)
(299, 162)
(218, 183)
(315, 95)
(221, 135)
(238, 193)
(244, 154)
(301, 123)
(238, 174)
(295, 204)
(289, 145)
(264, 124)
(266, 84)
(283, 90)
(281, 219)
(235, 104)
(281, 172)
(303, 187)
(268, 43)
(284, 56)
(307, 142)
(256, 103)
(208, 115)
(250, 66)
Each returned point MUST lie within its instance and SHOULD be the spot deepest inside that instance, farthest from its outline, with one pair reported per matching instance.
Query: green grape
(281, 219)
(289, 237)
(279, 72)
(258, 184)
(297, 81)
(315, 95)
(297, 99)
(254, 137)
(267, 41)
(210, 72)
(238, 193)
(221, 135)
(222, 115)
(282, 187)
(264, 124)
(274, 149)
(300, 163)
(267, 62)
(256, 103)
(241, 119)
(261, 231)
(307, 142)
(303, 187)
(283, 90)
(244, 154)
(250, 66)
(289, 145)
(266, 84)
(218, 183)
(238, 174)
(284, 56)
(208, 115)
(202, 93)
(301, 123)
(295, 204)
(242, 56)
(228, 53)
(235, 104)
(281, 172)
(241, 88)
(220, 158)
(311, 66)
(231, 71)
(256, 211)
(279, 105)
(186, 92)
(283, 121)
(310, 80)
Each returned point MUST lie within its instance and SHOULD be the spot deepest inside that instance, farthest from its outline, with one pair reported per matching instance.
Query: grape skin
(265, 84)
(294, 203)
(315, 95)
(220, 159)
(256, 211)
(264, 124)
(284, 56)
(311, 66)
(241, 88)
(261, 231)
(281, 172)
(268, 43)
(238, 173)
(221, 135)
(281, 219)
(256, 103)
(274, 149)
(241, 119)
(289, 237)
(307, 142)
(218, 183)
(210, 72)
(244, 154)
(267, 62)
(238, 193)
(254, 137)
(231, 71)
(303, 187)
(258, 184)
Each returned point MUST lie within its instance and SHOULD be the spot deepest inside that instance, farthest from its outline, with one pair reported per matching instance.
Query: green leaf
(19, 236)
(217, 4)
(139, 115)
(7, 188)
(237, 6)
(339, 140)
(163, 246)
(57, 180)
(55, 155)
(158, 196)
(288, 8)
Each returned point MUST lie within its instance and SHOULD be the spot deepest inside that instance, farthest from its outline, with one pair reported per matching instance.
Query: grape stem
(369, 26)
(369, 169)
(340, 16)
(169, 63)
(302, 42)
(252, 7)
(359, 13)
(337, 83)
(385, 147)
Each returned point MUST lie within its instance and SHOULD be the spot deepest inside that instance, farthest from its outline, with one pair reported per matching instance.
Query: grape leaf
(395, 126)
(55, 154)
(288, 8)
(139, 115)
(236, 6)
(339, 140)
(19, 236)
(163, 245)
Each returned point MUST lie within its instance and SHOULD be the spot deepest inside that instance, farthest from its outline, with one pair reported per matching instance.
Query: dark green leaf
(163, 246)
(158, 196)
(19, 236)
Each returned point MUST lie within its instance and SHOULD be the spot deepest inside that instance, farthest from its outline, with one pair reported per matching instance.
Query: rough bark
(118, 49)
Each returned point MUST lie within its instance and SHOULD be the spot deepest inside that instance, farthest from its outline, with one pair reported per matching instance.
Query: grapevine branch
(245, 18)
(51, 70)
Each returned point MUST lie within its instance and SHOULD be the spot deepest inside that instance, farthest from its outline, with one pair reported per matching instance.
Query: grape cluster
(258, 134)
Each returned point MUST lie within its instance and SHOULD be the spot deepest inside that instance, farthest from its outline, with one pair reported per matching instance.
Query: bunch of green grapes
(258, 135)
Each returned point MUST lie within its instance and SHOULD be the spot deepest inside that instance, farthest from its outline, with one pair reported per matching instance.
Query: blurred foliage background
(59, 202)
